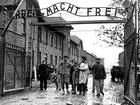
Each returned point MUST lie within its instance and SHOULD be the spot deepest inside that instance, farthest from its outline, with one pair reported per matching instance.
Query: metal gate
(13, 70)
(12, 64)
(130, 58)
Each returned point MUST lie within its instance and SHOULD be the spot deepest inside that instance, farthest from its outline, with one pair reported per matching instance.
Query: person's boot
(98, 95)
(68, 91)
(102, 93)
(73, 92)
(93, 91)
(63, 92)
(84, 93)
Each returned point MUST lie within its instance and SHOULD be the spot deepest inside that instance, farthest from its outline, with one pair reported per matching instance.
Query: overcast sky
(87, 32)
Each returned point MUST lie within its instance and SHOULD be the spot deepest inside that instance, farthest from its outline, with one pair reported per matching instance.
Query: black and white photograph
(69, 52)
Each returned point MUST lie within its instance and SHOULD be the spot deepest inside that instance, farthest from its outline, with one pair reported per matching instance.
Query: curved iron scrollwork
(70, 8)
(80, 11)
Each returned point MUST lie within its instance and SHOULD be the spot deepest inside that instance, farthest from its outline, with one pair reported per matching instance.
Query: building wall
(121, 59)
(90, 58)
(53, 44)
(76, 45)
(74, 54)
(50, 48)
(66, 45)
(19, 31)
(75, 51)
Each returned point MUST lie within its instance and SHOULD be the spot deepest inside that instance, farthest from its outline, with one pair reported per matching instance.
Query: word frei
(70, 8)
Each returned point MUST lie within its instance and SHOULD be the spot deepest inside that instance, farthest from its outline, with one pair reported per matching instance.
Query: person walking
(64, 71)
(75, 76)
(71, 73)
(43, 74)
(99, 76)
(83, 75)
(93, 81)
(56, 79)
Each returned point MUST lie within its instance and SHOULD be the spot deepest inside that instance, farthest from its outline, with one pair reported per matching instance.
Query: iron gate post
(136, 46)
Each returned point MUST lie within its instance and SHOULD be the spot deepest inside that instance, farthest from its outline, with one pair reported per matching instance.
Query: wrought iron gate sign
(70, 8)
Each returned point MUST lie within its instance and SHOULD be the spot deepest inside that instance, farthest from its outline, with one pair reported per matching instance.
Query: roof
(16, 2)
(54, 20)
(91, 54)
(8, 2)
(77, 40)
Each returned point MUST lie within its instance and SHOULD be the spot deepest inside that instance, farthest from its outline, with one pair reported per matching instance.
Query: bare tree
(114, 35)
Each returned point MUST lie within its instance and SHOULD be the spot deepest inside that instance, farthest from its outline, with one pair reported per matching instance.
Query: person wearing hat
(43, 73)
(64, 72)
(99, 76)
(83, 75)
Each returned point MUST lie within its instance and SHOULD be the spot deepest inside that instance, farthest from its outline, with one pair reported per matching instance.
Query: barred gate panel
(129, 77)
(1, 66)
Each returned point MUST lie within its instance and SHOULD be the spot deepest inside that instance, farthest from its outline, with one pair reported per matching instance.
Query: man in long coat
(99, 76)
(43, 73)
(64, 71)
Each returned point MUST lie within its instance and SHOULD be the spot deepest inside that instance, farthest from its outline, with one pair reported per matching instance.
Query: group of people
(117, 74)
(76, 74)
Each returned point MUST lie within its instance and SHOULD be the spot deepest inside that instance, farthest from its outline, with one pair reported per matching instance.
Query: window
(47, 35)
(72, 50)
(33, 57)
(39, 58)
(51, 39)
(56, 41)
(59, 58)
(34, 32)
(46, 57)
(55, 60)
(60, 43)
(39, 34)
(51, 59)
(29, 5)
(77, 52)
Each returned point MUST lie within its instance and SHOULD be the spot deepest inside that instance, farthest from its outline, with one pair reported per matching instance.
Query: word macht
(70, 8)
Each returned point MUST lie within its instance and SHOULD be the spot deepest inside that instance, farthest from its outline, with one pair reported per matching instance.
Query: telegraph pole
(136, 46)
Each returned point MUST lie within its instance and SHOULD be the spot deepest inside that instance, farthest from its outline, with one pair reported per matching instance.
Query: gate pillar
(130, 53)
(1, 65)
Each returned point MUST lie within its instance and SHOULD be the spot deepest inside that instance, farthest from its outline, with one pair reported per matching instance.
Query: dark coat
(43, 70)
(99, 71)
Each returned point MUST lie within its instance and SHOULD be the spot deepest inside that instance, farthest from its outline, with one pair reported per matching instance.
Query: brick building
(28, 41)
(76, 45)
(51, 43)
(16, 47)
